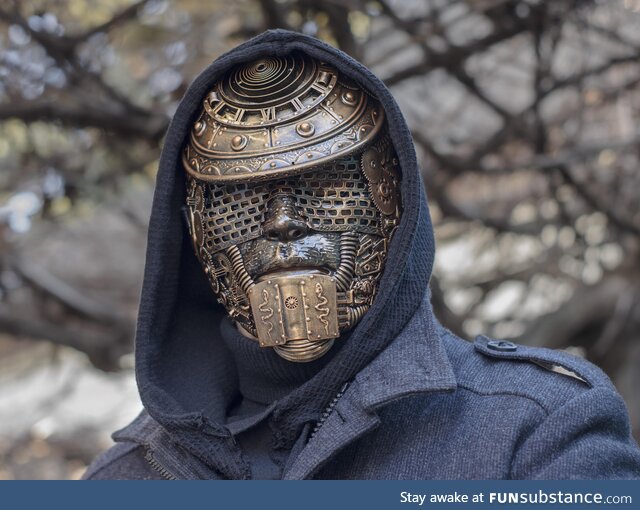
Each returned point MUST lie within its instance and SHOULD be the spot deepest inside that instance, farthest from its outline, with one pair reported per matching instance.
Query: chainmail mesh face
(334, 199)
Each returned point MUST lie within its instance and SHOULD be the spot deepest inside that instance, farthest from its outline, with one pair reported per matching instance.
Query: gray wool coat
(420, 402)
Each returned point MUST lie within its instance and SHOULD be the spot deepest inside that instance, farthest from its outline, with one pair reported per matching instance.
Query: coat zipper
(328, 410)
(323, 418)
(157, 466)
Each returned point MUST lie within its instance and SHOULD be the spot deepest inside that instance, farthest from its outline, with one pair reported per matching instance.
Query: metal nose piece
(282, 221)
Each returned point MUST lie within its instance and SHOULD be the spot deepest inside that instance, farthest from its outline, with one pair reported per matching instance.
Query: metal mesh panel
(337, 199)
(334, 199)
(232, 214)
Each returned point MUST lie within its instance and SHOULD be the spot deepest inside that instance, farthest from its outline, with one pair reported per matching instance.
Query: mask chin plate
(295, 307)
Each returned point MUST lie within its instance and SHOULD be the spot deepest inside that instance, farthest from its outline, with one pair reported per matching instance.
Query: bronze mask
(293, 196)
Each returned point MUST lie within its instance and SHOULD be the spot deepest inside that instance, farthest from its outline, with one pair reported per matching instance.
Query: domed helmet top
(293, 196)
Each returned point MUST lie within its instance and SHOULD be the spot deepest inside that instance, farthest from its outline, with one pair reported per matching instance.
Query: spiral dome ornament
(279, 116)
(268, 82)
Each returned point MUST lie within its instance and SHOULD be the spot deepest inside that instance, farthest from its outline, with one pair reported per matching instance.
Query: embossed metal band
(277, 117)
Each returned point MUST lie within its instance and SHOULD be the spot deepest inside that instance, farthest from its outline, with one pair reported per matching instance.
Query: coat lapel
(414, 363)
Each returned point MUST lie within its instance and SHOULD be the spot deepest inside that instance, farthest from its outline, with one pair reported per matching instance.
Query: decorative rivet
(305, 129)
(198, 127)
(239, 142)
(349, 98)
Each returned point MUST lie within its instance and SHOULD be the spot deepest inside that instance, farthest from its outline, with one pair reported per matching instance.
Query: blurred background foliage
(525, 117)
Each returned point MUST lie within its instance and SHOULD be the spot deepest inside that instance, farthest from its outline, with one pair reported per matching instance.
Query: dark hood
(182, 366)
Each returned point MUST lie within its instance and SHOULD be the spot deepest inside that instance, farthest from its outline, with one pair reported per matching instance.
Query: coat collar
(416, 362)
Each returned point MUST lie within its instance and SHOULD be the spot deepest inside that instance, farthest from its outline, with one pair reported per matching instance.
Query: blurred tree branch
(148, 127)
(113, 112)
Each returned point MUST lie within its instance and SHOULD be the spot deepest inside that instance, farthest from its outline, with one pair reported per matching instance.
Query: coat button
(502, 346)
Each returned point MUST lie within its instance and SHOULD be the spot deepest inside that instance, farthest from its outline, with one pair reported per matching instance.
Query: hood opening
(185, 375)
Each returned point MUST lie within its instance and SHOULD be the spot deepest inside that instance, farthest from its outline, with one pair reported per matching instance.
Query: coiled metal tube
(303, 351)
(347, 267)
(237, 263)
(356, 313)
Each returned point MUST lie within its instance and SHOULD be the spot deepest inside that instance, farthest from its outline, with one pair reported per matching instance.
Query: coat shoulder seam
(505, 393)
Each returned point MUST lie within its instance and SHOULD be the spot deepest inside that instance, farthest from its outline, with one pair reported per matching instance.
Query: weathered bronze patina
(293, 196)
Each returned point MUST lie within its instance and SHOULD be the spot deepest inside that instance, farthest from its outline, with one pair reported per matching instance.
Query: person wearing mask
(285, 327)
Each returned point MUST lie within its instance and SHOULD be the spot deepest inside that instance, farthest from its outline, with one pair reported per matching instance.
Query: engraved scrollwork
(267, 311)
(322, 307)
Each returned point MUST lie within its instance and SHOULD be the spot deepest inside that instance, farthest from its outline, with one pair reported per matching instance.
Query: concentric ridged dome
(277, 116)
(268, 81)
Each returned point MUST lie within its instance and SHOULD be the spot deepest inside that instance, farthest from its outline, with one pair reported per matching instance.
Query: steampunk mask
(293, 196)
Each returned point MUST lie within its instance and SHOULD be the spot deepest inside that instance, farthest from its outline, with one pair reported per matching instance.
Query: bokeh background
(525, 116)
